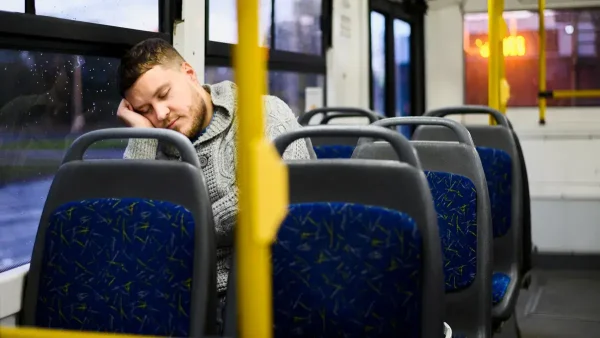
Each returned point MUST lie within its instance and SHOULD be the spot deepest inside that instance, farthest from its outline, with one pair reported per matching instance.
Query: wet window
(46, 101)
(134, 14)
(288, 86)
(12, 6)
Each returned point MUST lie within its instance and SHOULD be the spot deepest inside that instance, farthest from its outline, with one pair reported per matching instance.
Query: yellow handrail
(495, 8)
(262, 182)
(26, 332)
(493, 58)
(503, 86)
(582, 93)
(542, 60)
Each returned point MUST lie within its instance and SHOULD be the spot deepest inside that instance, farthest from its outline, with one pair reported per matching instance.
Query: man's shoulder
(276, 107)
(225, 94)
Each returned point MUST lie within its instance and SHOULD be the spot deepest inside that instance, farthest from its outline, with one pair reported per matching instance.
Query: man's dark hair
(143, 57)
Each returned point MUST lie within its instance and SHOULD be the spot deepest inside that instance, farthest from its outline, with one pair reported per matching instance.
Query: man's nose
(162, 112)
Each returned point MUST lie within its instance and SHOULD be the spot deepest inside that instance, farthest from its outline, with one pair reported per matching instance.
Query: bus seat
(359, 253)
(499, 156)
(458, 187)
(335, 147)
(125, 246)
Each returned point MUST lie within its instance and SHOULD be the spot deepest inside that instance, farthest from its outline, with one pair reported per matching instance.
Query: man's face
(170, 98)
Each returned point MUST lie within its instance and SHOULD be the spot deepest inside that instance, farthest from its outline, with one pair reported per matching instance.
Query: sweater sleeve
(141, 149)
(279, 120)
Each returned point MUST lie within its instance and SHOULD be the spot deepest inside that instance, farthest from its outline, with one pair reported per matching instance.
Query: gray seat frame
(305, 118)
(181, 183)
(508, 248)
(396, 185)
(468, 311)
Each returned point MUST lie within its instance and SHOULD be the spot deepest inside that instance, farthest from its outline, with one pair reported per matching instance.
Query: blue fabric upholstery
(455, 199)
(334, 151)
(118, 265)
(497, 166)
(346, 270)
(500, 282)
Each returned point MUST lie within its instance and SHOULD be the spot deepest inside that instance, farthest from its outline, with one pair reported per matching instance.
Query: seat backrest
(336, 116)
(499, 157)
(125, 246)
(336, 112)
(359, 252)
(500, 160)
(335, 147)
(458, 187)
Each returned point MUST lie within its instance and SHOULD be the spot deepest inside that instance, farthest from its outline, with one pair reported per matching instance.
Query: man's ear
(189, 71)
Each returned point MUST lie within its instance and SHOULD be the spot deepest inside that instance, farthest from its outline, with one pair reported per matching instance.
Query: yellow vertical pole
(542, 59)
(31, 332)
(495, 50)
(498, 69)
(501, 66)
(262, 182)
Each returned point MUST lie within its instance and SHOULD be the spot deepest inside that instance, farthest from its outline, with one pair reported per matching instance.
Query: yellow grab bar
(542, 60)
(503, 87)
(493, 60)
(262, 182)
(564, 94)
(497, 31)
(27, 332)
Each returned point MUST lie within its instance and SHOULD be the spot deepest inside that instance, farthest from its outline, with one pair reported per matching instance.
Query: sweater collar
(224, 99)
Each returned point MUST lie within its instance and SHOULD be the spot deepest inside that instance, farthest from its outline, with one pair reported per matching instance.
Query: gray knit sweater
(217, 151)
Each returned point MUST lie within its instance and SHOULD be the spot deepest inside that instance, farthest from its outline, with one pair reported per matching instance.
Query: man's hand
(126, 114)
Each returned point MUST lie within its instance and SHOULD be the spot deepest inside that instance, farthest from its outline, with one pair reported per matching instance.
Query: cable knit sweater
(217, 152)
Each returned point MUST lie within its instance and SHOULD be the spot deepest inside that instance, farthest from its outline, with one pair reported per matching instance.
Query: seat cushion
(455, 200)
(497, 166)
(500, 282)
(348, 270)
(334, 151)
(118, 265)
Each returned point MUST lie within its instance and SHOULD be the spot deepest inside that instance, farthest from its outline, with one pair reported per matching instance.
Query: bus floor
(560, 303)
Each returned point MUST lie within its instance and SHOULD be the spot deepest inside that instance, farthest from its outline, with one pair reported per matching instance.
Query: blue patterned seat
(333, 151)
(498, 152)
(346, 270)
(117, 265)
(500, 282)
(497, 166)
(455, 200)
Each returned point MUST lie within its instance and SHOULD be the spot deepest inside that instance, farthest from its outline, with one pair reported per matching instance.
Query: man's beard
(198, 115)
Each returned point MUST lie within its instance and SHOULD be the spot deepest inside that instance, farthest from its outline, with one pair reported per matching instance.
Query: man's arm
(137, 149)
(141, 149)
(279, 120)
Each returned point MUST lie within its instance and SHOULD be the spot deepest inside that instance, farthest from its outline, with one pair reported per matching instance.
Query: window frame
(412, 13)
(219, 54)
(34, 32)
(550, 102)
